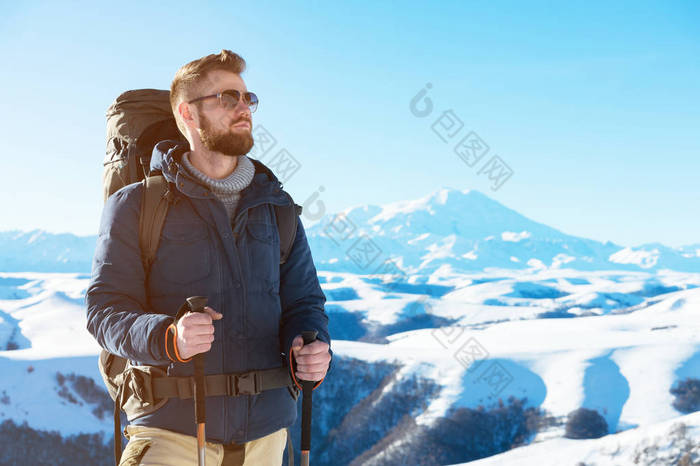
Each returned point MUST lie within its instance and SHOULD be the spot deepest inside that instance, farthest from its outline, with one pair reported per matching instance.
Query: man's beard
(228, 143)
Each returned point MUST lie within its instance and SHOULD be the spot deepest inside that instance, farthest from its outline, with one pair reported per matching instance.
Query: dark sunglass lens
(230, 98)
(252, 100)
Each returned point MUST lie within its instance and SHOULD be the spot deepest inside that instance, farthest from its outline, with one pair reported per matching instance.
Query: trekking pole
(307, 386)
(196, 304)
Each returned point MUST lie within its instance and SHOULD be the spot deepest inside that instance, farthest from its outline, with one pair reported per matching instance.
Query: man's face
(220, 130)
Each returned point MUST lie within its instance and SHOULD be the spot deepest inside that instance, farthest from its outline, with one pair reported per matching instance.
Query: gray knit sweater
(227, 190)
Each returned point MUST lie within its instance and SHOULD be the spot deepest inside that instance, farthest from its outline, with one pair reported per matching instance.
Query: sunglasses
(229, 98)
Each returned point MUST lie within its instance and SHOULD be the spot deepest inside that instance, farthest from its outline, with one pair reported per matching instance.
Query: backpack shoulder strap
(286, 216)
(287, 226)
(155, 201)
(154, 209)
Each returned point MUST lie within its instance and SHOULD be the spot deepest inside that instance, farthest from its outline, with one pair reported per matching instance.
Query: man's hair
(188, 80)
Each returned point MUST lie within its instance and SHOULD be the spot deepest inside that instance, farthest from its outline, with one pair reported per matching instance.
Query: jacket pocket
(184, 253)
(262, 232)
(263, 251)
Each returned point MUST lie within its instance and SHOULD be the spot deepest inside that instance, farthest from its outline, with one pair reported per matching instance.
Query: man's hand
(195, 332)
(312, 359)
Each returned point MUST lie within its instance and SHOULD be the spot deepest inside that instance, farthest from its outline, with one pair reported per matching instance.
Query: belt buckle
(247, 384)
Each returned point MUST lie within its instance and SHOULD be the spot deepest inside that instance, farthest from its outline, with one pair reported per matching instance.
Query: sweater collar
(241, 176)
(167, 158)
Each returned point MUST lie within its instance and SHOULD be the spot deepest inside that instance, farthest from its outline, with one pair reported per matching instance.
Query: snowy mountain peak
(465, 230)
(440, 197)
(445, 193)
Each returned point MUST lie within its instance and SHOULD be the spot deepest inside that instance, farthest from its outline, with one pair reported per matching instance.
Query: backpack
(136, 121)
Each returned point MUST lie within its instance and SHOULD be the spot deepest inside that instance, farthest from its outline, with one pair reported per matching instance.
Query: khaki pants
(152, 446)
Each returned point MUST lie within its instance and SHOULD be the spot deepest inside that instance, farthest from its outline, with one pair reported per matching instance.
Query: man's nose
(242, 109)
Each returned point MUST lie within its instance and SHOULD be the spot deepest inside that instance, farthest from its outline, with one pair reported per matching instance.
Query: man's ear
(188, 116)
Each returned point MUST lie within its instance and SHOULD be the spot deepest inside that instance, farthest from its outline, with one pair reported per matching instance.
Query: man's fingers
(197, 318)
(203, 348)
(196, 332)
(202, 317)
(197, 323)
(198, 339)
(212, 313)
(314, 362)
(198, 329)
(317, 347)
(312, 376)
(312, 367)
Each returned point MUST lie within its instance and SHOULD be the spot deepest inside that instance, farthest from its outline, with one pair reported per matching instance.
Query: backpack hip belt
(148, 388)
(237, 384)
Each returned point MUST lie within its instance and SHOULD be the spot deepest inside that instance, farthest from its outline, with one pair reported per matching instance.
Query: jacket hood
(167, 159)
(165, 156)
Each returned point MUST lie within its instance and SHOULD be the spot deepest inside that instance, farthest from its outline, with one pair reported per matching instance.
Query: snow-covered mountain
(41, 251)
(450, 230)
(467, 231)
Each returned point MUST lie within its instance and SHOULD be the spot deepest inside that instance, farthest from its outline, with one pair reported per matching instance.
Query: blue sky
(593, 105)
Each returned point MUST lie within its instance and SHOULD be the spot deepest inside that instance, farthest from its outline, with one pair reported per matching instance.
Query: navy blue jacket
(236, 265)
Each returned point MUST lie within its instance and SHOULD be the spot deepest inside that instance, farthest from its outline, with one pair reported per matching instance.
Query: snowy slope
(51, 321)
(663, 443)
(603, 362)
(557, 363)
